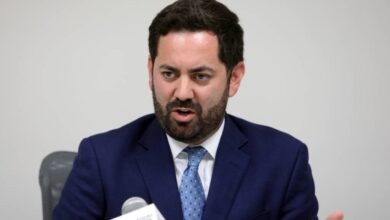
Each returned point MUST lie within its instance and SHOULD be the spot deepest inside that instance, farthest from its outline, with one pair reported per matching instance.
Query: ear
(236, 77)
(150, 69)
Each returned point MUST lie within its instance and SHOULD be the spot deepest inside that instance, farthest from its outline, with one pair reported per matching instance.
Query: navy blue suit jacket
(259, 173)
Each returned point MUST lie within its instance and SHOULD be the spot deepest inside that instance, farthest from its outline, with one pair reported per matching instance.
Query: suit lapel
(157, 168)
(156, 165)
(230, 166)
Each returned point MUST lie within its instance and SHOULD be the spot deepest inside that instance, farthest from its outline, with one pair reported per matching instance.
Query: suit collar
(156, 165)
(230, 166)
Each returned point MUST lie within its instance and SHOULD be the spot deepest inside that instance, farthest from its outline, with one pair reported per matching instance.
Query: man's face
(189, 84)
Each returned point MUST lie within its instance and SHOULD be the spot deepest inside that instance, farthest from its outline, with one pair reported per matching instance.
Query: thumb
(336, 216)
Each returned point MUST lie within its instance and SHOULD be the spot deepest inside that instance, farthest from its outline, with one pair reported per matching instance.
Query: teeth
(184, 110)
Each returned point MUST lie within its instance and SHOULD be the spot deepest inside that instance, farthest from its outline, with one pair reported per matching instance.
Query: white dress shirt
(206, 165)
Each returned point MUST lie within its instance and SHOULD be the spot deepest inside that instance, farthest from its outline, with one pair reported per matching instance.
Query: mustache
(184, 104)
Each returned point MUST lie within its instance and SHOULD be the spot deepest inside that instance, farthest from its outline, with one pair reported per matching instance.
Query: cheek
(162, 92)
(209, 99)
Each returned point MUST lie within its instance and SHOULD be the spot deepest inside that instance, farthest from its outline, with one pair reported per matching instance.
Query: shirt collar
(210, 144)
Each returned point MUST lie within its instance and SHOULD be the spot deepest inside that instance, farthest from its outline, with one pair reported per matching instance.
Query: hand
(336, 216)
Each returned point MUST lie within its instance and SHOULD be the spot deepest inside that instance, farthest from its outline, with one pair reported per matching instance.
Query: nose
(184, 90)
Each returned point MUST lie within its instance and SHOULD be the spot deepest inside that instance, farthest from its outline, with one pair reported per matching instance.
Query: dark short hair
(201, 15)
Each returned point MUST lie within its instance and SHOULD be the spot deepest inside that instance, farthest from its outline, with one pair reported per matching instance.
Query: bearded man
(192, 159)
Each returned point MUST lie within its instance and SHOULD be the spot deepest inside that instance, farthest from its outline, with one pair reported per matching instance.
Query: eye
(201, 77)
(168, 75)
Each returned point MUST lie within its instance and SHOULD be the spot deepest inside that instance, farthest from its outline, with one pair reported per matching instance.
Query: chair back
(53, 173)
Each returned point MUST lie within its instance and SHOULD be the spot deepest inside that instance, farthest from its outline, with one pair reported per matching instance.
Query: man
(190, 158)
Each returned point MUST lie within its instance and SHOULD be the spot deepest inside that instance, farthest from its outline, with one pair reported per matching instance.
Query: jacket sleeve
(82, 196)
(300, 200)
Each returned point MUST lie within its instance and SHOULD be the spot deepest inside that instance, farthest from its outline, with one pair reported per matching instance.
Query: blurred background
(319, 70)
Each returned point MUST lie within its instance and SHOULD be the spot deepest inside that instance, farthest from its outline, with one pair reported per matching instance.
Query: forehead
(201, 34)
(186, 44)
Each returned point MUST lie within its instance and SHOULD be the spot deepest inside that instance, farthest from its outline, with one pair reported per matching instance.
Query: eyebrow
(192, 70)
(167, 67)
(202, 69)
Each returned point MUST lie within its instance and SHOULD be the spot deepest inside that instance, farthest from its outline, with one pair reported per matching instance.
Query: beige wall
(316, 69)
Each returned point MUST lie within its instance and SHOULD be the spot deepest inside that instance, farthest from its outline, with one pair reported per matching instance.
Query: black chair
(53, 173)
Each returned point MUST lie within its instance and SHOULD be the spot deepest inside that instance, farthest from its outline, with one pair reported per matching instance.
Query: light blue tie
(191, 189)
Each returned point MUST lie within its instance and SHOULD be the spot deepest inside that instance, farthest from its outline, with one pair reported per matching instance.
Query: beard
(203, 125)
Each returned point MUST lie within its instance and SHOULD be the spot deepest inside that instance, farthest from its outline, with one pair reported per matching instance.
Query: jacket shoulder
(127, 135)
(265, 134)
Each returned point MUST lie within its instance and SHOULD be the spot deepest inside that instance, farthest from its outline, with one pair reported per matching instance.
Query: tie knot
(195, 155)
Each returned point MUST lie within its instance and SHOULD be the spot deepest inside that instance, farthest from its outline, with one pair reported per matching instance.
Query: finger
(336, 216)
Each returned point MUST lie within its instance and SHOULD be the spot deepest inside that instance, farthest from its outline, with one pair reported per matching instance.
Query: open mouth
(183, 114)
(183, 111)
